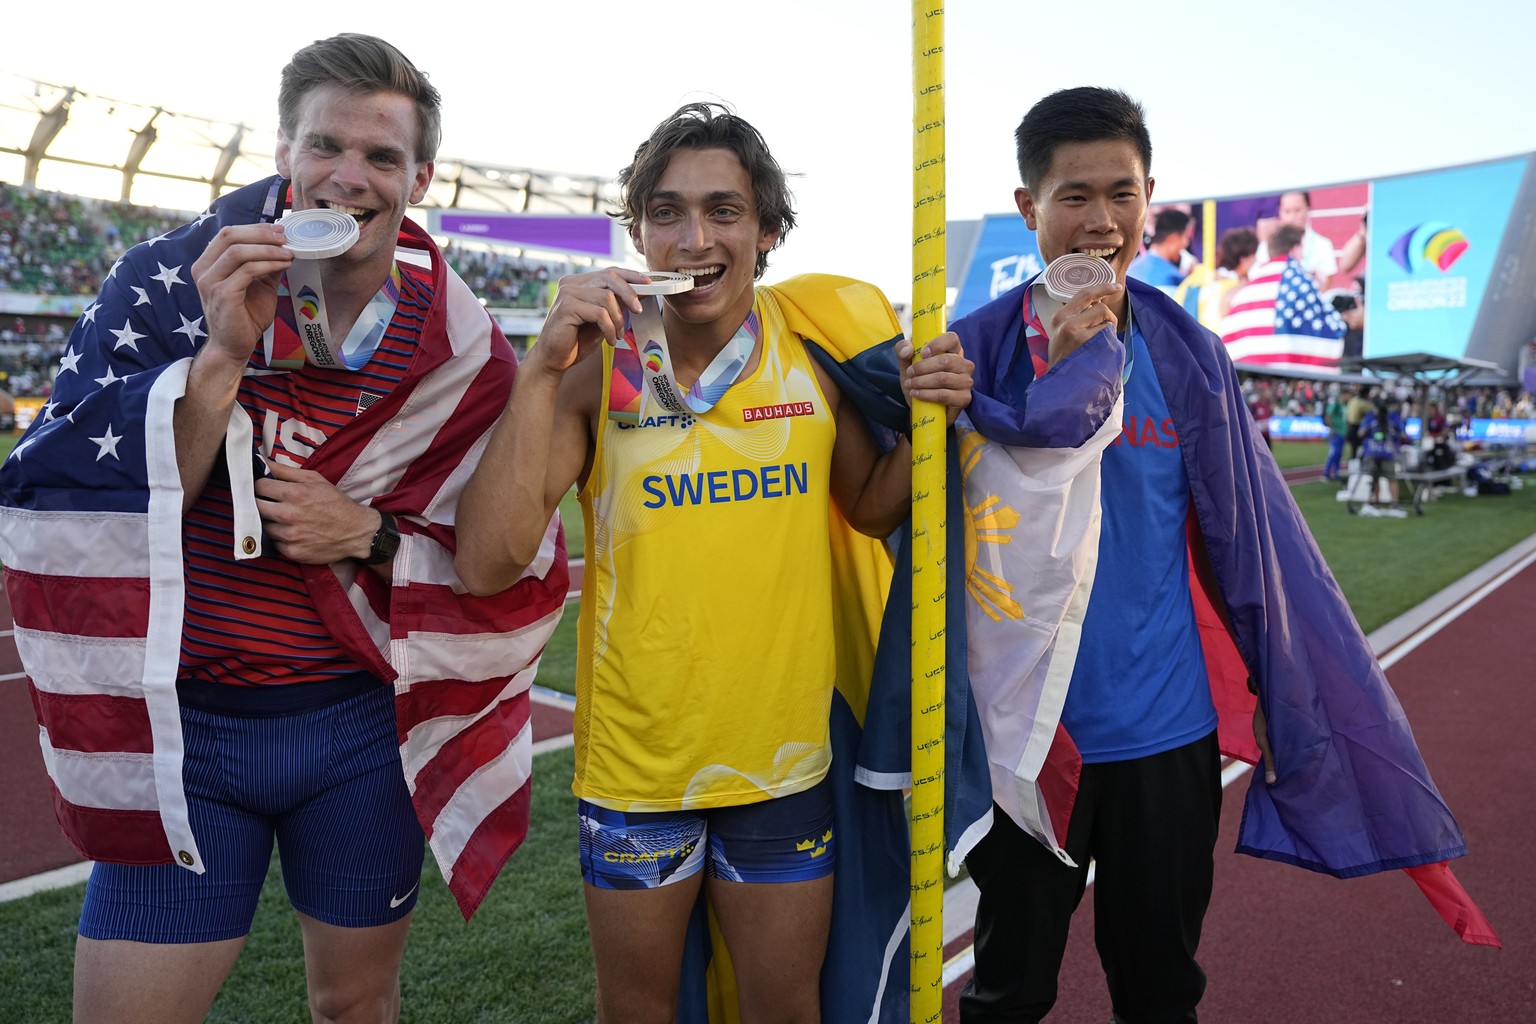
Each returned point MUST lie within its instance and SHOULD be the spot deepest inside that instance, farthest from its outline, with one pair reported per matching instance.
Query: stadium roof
(1428, 368)
(62, 139)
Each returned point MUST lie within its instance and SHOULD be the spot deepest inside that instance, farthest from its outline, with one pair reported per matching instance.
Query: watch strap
(386, 540)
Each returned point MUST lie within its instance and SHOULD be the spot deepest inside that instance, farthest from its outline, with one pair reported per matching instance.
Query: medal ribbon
(299, 332)
(1039, 342)
(644, 348)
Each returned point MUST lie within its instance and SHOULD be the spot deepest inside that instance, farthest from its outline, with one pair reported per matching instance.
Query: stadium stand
(60, 144)
(53, 244)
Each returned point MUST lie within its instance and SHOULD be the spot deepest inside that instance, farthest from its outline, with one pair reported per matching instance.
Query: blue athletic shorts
(783, 840)
(324, 781)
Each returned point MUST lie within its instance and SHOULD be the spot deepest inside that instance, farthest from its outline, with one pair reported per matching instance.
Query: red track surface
(1286, 946)
(1281, 945)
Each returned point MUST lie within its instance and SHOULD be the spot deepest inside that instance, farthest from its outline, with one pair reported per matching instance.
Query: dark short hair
(1084, 114)
(1169, 222)
(362, 65)
(1236, 245)
(1285, 238)
(1306, 196)
(710, 126)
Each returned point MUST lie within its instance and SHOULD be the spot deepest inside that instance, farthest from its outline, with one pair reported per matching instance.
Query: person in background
(1172, 233)
(1354, 413)
(1317, 254)
(1207, 293)
(1263, 409)
(1381, 438)
(1337, 422)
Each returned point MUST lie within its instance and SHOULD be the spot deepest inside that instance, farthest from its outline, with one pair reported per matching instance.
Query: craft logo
(1433, 243)
(777, 412)
(682, 852)
(309, 303)
(653, 356)
(683, 421)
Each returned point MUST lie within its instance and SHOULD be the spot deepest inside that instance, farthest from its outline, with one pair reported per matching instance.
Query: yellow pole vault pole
(928, 532)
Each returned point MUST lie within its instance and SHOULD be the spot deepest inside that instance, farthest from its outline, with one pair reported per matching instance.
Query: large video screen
(1442, 261)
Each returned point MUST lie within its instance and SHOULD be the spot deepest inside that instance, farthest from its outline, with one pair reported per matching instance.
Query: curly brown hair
(709, 126)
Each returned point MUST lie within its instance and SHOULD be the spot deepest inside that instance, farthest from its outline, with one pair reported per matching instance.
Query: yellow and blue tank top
(706, 658)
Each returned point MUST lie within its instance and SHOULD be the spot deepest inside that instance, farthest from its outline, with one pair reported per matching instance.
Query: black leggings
(1150, 824)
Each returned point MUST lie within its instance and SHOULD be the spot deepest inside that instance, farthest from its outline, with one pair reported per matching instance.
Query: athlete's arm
(312, 521)
(543, 441)
(236, 278)
(874, 491)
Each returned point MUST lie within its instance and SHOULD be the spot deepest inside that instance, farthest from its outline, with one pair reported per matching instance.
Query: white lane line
(551, 698)
(58, 878)
(1403, 649)
(554, 743)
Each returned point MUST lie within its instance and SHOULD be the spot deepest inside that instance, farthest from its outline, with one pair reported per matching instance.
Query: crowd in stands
(57, 244)
(1310, 398)
(29, 357)
(501, 279)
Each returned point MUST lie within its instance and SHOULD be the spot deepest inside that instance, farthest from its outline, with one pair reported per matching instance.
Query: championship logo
(653, 356)
(1434, 243)
(309, 303)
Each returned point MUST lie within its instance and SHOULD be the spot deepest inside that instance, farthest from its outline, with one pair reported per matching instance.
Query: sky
(1240, 98)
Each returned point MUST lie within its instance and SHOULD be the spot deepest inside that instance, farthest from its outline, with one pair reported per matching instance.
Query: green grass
(575, 532)
(525, 956)
(557, 669)
(1387, 566)
(1292, 454)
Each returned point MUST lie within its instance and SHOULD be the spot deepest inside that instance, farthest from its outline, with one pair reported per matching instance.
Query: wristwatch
(386, 540)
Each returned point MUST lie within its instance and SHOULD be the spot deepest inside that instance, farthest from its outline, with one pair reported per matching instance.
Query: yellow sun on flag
(987, 522)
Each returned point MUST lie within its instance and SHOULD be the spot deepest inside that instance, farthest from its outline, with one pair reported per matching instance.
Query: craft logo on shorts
(681, 852)
(777, 412)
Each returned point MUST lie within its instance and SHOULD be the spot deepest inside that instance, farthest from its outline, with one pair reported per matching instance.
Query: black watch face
(385, 543)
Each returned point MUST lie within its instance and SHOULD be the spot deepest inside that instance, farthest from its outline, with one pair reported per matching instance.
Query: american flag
(1278, 319)
(90, 534)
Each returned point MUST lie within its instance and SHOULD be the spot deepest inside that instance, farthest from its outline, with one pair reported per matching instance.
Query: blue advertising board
(1434, 242)
(1004, 257)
